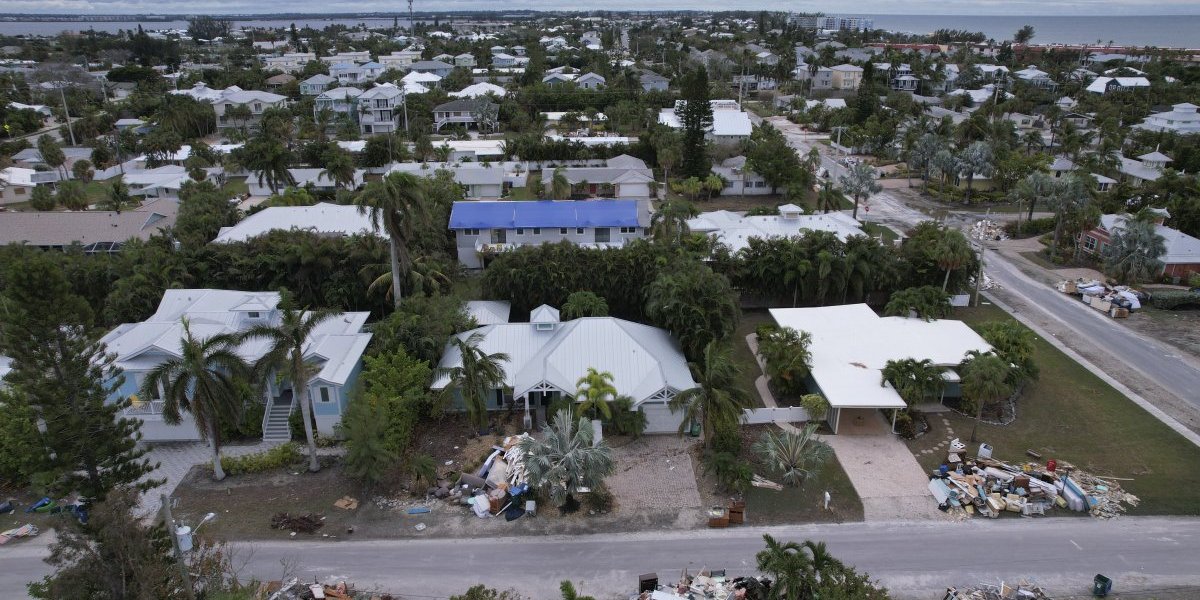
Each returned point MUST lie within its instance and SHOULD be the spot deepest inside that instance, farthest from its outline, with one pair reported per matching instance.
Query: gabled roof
(488, 312)
(1155, 156)
(462, 104)
(503, 214)
(323, 218)
(55, 228)
(735, 230)
(1181, 247)
(319, 79)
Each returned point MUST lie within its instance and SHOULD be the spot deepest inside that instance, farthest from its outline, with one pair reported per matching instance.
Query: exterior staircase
(275, 421)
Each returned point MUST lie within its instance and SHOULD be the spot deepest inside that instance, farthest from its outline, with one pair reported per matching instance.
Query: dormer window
(544, 326)
(252, 315)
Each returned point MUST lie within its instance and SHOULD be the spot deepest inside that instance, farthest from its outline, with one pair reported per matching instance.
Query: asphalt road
(1162, 364)
(913, 560)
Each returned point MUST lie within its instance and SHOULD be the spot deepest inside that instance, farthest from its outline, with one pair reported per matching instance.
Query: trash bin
(1101, 586)
(696, 429)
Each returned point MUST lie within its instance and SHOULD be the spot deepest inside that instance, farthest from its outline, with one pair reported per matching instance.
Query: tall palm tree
(952, 252)
(398, 205)
(285, 355)
(594, 391)
(716, 399)
(788, 565)
(1133, 255)
(1035, 186)
(985, 378)
(976, 160)
(560, 186)
(859, 183)
(203, 382)
(669, 223)
(339, 168)
(1071, 201)
(477, 374)
(827, 198)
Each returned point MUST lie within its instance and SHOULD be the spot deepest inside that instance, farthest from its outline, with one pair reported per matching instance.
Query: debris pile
(309, 523)
(1117, 301)
(499, 487)
(988, 231)
(294, 589)
(989, 487)
(705, 585)
(988, 282)
(26, 530)
(1025, 590)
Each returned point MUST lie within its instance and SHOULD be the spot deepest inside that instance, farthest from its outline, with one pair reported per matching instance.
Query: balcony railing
(142, 408)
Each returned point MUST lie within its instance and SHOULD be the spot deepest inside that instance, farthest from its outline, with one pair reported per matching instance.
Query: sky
(928, 7)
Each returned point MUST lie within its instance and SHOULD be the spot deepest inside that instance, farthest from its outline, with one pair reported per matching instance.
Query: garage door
(660, 419)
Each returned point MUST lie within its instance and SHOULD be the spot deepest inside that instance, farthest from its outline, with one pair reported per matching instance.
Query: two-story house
(435, 67)
(590, 81)
(1036, 77)
(380, 109)
(341, 101)
(256, 101)
(653, 82)
(334, 350)
(313, 86)
(400, 60)
(350, 57)
(1181, 119)
(466, 60)
(467, 112)
(1147, 167)
(292, 62)
(487, 227)
(845, 77)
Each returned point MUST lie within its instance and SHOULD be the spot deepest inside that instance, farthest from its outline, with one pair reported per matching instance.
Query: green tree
(1134, 253)
(952, 252)
(52, 154)
(593, 393)
(928, 302)
(287, 344)
(116, 197)
(696, 116)
(793, 455)
(976, 160)
(82, 170)
(1023, 35)
(690, 187)
(1032, 188)
(477, 374)
(268, 160)
(565, 459)
(985, 378)
(203, 211)
(204, 382)
(695, 304)
(859, 183)
(914, 380)
(786, 354)
(339, 168)
(398, 205)
(583, 304)
(769, 155)
(42, 199)
(669, 223)
(1015, 344)
(807, 571)
(71, 195)
(716, 400)
(560, 186)
(368, 455)
(816, 406)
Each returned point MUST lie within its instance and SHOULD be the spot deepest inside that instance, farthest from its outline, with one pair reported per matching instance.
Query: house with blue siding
(335, 348)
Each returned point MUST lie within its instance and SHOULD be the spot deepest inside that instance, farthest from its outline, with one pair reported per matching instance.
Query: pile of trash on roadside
(1104, 297)
(988, 231)
(294, 589)
(499, 487)
(988, 282)
(989, 487)
(704, 585)
(1025, 590)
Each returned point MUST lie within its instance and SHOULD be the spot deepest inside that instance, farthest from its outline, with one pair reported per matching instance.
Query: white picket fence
(789, 414)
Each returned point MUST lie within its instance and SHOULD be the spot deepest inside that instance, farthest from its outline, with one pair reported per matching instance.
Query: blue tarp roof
(544, 213)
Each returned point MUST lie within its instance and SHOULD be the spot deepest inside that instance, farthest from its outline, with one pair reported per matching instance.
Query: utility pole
(67, 111)
(169, 522)
(412, 25)
(979, 275)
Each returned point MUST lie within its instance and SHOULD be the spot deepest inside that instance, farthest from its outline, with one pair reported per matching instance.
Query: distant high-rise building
(832, 22)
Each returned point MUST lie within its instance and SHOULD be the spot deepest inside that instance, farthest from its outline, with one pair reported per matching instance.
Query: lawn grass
(748, 369)
(521, 193)
(1071, 415)
(805, 504)
(875, 230)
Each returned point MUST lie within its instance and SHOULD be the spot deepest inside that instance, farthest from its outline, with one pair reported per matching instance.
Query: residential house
(906, 83)
(1147, 167)
(846, 77)
(258, 102)
(480, 181)
(474, 150)
(313, 86)
(766, 58)
(1181, 119)
(274, 83)
(332, 220)
(851, 345)
(380, 109)
(16, 184)
(730, 123)
(291, 62)
(400, 60)
(446, 58)
(96, 231)
(735, 230)
(589, 81)
(479, 90)
(622, 177)
(1036, 77)
(1182, 257)
(484, 312)
(1107, 85)
(558, 78)
(547, 356)
(466, 60)
(652, 81)
(1064, 167)
(165, 181)
(334, 349)
(992, 71)
(740, 180)
(202, 93)
(426, 80)
(435, 67)
(485, 228)
(479, 112)
(344, 57)
(750, 83)
(500, 60)
(313, 178)
(341, 101)
(31, 158)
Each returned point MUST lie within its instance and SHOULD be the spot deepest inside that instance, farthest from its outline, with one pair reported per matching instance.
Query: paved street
(913, 560)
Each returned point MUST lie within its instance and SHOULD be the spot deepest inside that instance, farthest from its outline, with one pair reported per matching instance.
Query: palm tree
(793, 455)
(921, 155)
(397, 204)
(286, 355)
(788, 565)
(860, 183)
(976, 159)
(716, 399)
(915, 380)
(1133, 255)
(594, 391)
(477, 374)
(201, 381)
(339, 168)
(1071, 201)
(669, 223)
(117, 196)
(426, 275)
(985, 378)
(566, 459)
(560, 186)
(787, 356)
(828, 198)
(1035, 186)
(269, 161)
(952, 252)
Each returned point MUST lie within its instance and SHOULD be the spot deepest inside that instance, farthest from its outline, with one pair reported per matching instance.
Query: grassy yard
(875, 230)
(742, 356)
(1070, 415)
(522, 193)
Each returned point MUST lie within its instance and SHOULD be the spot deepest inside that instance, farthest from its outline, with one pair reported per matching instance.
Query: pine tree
(65, 376)
(696, 116)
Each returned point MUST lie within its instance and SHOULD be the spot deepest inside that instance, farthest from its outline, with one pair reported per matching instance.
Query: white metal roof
(323, 218)
(735, 230)
(488, 312)
(643, 360)
(851, 345)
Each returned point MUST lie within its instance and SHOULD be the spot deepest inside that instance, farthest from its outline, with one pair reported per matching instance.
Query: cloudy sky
(931, 7)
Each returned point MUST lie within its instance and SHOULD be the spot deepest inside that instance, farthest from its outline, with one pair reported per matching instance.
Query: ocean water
(1162, 31)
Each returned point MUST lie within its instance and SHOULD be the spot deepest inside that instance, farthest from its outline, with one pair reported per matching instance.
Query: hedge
(279, 456)
(1032, 228)
(1173, 299)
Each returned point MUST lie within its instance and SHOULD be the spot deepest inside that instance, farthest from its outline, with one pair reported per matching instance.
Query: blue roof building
(485, 228)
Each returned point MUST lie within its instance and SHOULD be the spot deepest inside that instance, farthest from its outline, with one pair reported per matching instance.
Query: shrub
(250, 425)
(731, 472)
(815, 405)
(279, 456)
(793, 455)
(365, 426)
(1029, 229)
(726, 438)
(1173, 299)
(599, 499)
(906, 426)
(625, 420)
(1194, 280)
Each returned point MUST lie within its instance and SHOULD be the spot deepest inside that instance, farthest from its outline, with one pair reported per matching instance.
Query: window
(324, 393)
(602, 235)
(471, 232)
(562, 231)
(257, 107)
(537, 231)
(579, 230)
(253, 315)
(1089, 243)
(520, 231)
(629, 230)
